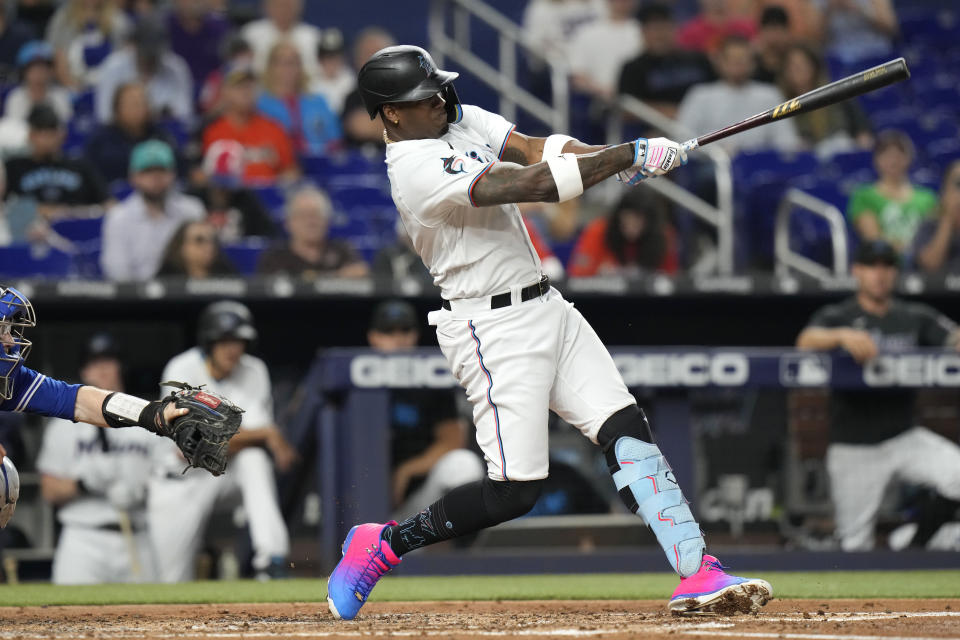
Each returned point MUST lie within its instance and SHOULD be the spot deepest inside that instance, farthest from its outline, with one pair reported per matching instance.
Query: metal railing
(457, 14)
(720, 216)
(787, 259)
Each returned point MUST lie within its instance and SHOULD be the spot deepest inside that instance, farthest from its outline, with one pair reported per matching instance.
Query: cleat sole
(744, 598)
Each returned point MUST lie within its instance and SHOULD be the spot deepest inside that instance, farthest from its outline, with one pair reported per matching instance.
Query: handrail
(503, 78)
(720, 215)
(786, 259)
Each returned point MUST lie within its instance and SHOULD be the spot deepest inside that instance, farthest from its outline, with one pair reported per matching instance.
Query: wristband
(553, 146)
(123, 410)
(566, 174)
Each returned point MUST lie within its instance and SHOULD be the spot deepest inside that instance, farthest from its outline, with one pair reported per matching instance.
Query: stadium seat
(851, 162)
(79, 229)
(245, 253)
(757, 167)
(24, 260)
(273, 198)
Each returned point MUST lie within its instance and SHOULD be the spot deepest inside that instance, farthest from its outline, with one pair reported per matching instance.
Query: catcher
(200, 423)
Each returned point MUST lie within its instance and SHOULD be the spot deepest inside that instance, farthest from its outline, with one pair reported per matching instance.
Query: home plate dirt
(799, 619)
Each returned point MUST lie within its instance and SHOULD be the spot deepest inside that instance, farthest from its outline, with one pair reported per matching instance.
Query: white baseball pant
(178, 510)
(86, 555)
(520, 361)
(859, 475)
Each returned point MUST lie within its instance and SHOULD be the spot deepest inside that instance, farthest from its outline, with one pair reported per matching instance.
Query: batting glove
(653, 157)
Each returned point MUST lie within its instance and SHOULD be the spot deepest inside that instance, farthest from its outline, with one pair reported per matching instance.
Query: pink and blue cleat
(713, 591)
(366, 559)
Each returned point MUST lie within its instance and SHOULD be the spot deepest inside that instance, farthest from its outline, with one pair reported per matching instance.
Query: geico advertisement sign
(913, 370)
(373, 370)
(683, 370)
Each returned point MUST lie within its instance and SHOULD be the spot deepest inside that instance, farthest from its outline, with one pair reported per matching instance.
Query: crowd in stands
(173, 122)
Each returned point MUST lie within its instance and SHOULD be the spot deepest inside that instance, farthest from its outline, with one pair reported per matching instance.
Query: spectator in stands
(136, 231)
(335, 79)
(37, 84)
(196, 35)
(550, 24)
(236, 52)
(60, 186)
(803, 18)
(268, 154)
(772, 42)
(840, 127)
(858, 29)
(636, 238)
(936, 245)
(309, 252)
(283, 21)
(711, 106)
(399, 261)
(429, 438)
(663, 73)
(194, 253)
(892, 208)
(309, 122)
(83, 33)
(873, 437)
(713, 26)
(14, 34)
(148, 60)
(110, 146)
(234, 210)
(359, 129)
(599, 49)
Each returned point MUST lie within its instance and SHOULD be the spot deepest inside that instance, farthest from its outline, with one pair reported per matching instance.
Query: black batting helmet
(225, 320)
(405, 73)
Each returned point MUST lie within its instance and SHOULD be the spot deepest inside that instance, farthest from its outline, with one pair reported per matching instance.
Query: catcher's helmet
(225, 320)
(406, 73)
(16, 315)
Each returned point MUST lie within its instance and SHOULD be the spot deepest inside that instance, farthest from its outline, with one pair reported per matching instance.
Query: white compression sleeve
(566, 174)
(553, 146)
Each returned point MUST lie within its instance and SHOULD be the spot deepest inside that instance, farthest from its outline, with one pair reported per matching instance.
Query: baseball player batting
(200, 423)
(511, 340)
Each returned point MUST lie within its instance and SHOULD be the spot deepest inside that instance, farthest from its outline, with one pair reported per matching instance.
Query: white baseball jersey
(179, 505)
(470, 251)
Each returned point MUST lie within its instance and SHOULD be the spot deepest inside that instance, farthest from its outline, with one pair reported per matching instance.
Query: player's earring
(396, 122)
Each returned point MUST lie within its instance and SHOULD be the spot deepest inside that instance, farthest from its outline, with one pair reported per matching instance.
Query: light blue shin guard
(646, 480)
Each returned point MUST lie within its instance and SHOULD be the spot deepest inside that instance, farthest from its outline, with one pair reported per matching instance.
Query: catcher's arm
(89, 408)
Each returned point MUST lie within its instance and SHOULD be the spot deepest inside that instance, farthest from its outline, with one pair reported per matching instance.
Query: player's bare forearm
(526, 150)
(820, 339)
(506, 182)
(57, 490)
(89, 407)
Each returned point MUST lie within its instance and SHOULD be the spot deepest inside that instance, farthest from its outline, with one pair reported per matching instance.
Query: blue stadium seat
(347, 196)
(24, 260)
(273, 198)
(119, 189)
(756, 167)
(348, 163)
(851, 162)
(79, 229)
(83, 103)
(245, 253)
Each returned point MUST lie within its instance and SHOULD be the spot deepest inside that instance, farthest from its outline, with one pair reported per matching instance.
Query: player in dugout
(511, 340)
(873, 437)
(24, 390)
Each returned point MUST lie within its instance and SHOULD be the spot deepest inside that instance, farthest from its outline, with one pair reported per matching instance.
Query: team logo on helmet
(427, 65)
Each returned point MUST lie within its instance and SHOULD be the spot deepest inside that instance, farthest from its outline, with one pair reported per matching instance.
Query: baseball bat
(854, 85)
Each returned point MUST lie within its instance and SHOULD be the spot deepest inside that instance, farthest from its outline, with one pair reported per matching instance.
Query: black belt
(504, 300)
(112, 527)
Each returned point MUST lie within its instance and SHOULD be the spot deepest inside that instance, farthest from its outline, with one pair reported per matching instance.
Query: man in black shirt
(429, 437)
(662, 74)
(873, 439)
(57, 184)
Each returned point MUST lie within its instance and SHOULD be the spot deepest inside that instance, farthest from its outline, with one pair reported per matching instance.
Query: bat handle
(690, 144)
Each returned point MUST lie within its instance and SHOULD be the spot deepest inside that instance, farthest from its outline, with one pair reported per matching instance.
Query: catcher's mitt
(203, 433)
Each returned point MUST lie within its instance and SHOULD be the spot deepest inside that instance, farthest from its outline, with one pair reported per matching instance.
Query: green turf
(847, 584)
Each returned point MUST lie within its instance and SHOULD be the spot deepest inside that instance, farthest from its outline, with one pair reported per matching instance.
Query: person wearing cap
(83, 34)
(109, 147)
(136, 230)
(233, 209)
(892, 208)
(282, 21)
(771, 43)
(234, 51)
(335, 79)
(429, 437)
(268, 155)
(662, 73)
(37, 84)
(309, 253)
(147, 59)
(59, 185)
(196, 35)
(874, 438)
(181, 503)
(97, 479)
